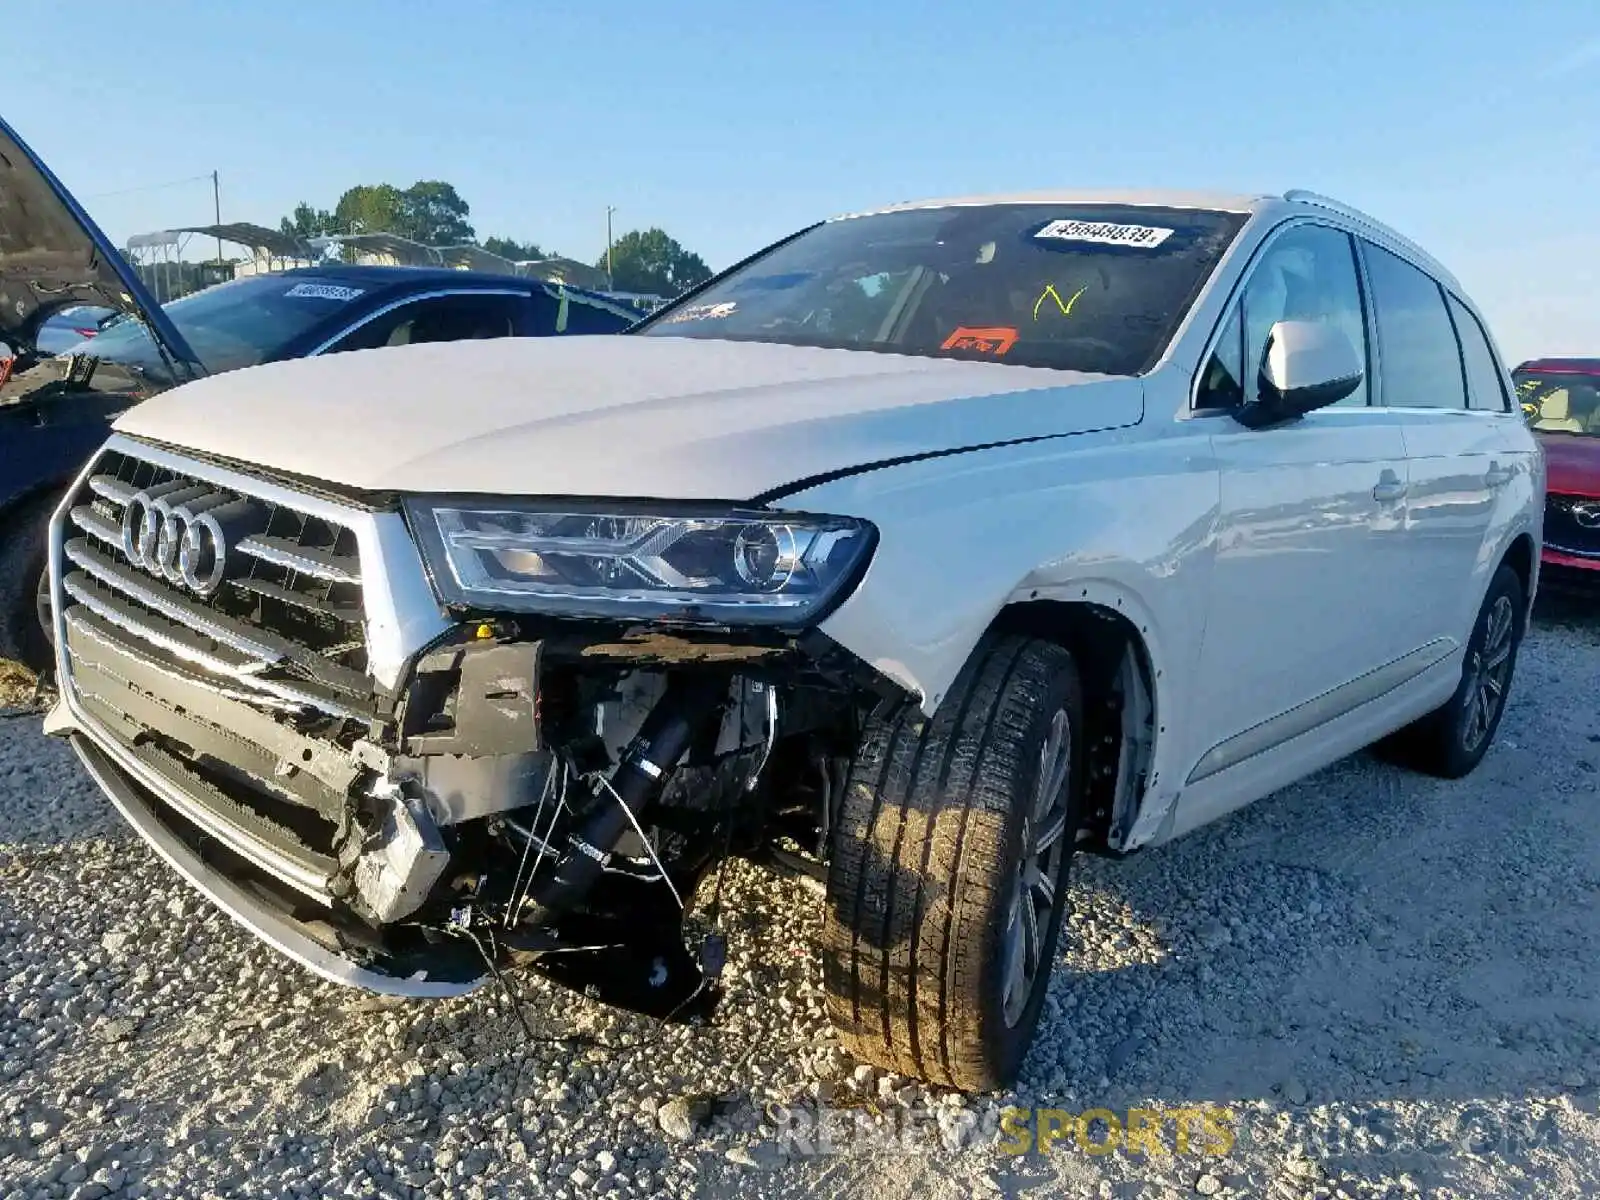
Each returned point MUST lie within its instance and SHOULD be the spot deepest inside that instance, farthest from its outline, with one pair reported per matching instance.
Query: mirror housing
(1306, 365)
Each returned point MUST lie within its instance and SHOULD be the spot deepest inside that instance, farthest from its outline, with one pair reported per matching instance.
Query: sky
(1471, 127)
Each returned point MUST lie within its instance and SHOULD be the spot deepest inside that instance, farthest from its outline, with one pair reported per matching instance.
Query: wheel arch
(1120, 672)
(1521, 558)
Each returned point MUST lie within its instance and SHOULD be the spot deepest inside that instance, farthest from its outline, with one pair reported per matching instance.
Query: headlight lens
(714, 567)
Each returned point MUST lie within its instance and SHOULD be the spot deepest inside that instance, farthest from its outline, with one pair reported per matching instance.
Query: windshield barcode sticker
(1142, 237)
(324, 291)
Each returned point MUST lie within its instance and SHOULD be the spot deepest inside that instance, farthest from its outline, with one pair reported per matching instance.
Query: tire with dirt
(22, 565)
(947, 884)
(1450, 741)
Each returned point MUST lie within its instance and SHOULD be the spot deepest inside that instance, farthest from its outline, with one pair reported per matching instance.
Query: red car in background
(1561, 397)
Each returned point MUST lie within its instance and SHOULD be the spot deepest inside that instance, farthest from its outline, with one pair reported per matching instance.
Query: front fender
(1120, 518)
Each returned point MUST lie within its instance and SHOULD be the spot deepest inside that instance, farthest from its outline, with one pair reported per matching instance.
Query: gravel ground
(1381, 985)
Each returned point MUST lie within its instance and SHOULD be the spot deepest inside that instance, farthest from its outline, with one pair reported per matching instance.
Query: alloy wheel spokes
(1044, 843)
(1041, 887)
(1046, 837)
(1055, 759)
(1014, 994)
(1489, 672)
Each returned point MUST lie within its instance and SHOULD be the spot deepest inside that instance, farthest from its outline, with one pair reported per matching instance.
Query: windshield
(1087, 288)
(231, 325)
(1560, 402)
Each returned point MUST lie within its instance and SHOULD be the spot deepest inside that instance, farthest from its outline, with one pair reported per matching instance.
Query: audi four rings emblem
(173, 531)
(1587, 515)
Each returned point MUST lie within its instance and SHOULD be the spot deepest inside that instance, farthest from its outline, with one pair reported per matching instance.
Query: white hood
(649, 417)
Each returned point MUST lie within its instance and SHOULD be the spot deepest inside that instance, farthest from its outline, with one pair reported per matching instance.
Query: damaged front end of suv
(428, 661)
(410, 742)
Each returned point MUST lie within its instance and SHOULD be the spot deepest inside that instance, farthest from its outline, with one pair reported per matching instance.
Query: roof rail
(1317, 199)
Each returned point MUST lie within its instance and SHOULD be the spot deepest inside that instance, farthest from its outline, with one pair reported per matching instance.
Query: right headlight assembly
(636, 562)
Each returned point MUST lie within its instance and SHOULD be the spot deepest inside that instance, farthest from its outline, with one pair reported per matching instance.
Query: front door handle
(1389, 489)
(1499, 476)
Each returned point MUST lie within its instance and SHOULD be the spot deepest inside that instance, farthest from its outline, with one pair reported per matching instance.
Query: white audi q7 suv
(914, 553)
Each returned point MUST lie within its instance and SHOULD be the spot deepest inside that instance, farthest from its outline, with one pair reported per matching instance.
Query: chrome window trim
(400, 610)
(414, 298)
(1369, 227)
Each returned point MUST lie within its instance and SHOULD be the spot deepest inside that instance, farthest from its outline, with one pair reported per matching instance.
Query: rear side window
(556, 310)
(1420, 361)
(1486, 387)
(459, 316)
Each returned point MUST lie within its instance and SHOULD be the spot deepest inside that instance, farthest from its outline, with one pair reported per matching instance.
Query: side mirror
(1306, 365)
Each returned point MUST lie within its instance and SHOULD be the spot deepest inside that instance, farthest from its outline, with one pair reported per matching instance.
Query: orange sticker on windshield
(995, 340)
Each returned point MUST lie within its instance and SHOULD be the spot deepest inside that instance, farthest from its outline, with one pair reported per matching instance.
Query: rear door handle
(1389, 489)
(1499, 476)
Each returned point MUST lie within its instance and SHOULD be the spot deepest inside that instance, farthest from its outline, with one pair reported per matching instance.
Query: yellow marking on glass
(1051, 293)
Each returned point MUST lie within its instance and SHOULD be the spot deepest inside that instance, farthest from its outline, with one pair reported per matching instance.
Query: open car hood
(52, 256)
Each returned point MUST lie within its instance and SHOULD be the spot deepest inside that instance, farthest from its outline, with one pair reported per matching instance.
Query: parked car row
(917, 552)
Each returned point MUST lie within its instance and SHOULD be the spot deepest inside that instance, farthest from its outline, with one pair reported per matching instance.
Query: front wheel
(948, 881)
(22, 573)
(1450, 741)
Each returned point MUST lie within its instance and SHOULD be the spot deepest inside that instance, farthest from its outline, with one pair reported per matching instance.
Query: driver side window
(1307, 274)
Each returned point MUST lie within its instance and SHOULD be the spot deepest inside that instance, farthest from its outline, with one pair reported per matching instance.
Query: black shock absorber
(688, 704)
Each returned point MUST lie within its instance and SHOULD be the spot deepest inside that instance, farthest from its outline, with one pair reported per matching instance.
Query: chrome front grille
(226, 641)
(247, 589)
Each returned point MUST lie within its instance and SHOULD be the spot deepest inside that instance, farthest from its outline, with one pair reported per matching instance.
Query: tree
(307, 222)
(369, 209)
(653, 263)
(432, 212)
(514, 250)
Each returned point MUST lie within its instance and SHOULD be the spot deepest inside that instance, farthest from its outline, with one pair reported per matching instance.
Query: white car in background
(915, 552)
